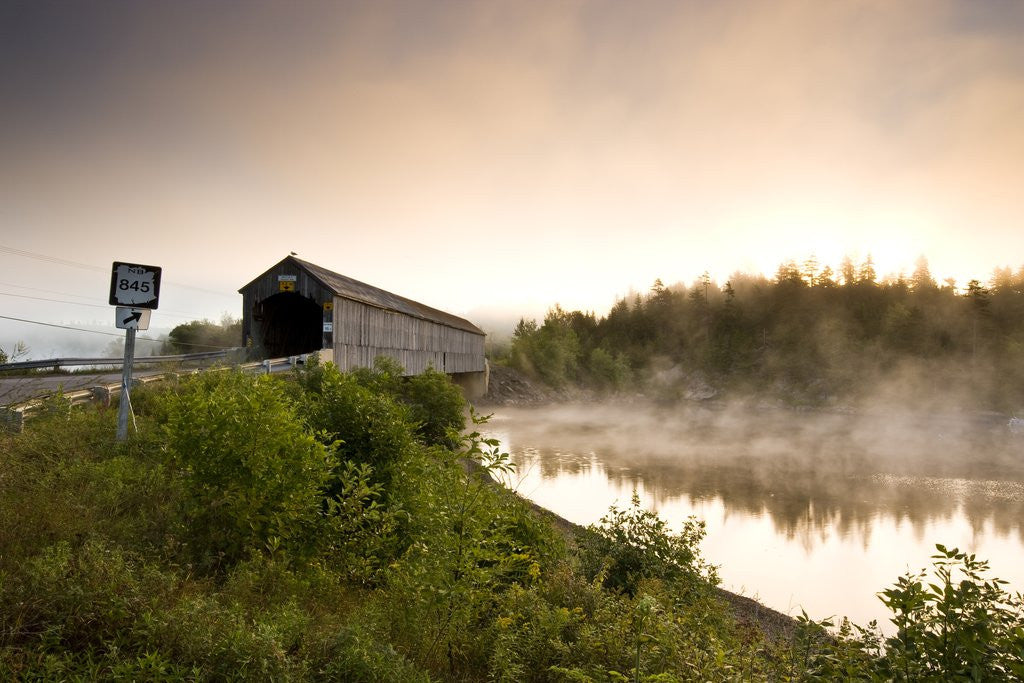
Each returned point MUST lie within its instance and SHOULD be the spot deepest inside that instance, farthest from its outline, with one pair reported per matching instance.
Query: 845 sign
(135, 285)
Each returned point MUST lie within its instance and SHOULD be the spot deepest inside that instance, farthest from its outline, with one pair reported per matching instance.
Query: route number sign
(134, 285)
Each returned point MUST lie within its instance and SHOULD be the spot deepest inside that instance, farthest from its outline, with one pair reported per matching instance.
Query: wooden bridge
(297, 307)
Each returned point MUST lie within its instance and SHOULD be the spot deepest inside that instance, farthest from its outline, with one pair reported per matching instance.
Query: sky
(494, 158)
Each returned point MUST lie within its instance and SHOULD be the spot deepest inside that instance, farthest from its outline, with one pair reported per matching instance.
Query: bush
(364, 426)
(360, 657)
(633, 544)
(254, 477)
(65, 478)
(960, 625)
(436, 406)
(385, 377)
(204, 335)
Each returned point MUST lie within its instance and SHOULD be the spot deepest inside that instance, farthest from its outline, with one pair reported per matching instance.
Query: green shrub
(385, 377)
(360, 657)
(961, 626)
(254, 477)
(369, 427)
(436, 406)
(956, 625)
(69, 598)
(65, 478)
(470, 542)
(565, 628)
(633, 544)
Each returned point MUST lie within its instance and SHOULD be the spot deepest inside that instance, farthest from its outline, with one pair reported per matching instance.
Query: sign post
(135, 290)
(125, 406)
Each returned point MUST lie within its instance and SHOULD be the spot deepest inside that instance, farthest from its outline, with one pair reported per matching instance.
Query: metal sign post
(135, 290)
(125, 406)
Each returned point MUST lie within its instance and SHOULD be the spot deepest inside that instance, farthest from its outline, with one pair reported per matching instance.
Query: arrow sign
(128, 318)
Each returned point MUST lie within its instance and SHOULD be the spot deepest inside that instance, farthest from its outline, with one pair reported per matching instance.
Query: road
(17, 388)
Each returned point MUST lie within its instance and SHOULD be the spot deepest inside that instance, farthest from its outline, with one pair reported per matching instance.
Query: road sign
(286, 283)
(127, 318)
(135, 290)
(134, 285)
(328, 327)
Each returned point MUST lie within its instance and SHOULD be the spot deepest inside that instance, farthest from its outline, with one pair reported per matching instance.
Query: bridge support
(473, 384)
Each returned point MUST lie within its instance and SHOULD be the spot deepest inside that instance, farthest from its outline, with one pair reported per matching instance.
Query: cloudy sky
(499, 156)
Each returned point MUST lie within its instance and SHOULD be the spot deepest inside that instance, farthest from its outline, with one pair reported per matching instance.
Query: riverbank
(510, 388)
(774, 625)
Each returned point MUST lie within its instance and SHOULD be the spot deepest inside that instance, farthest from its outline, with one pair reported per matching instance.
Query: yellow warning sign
(286, 286)
(328, 305)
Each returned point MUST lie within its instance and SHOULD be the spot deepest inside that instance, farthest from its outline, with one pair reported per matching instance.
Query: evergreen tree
(922, 279)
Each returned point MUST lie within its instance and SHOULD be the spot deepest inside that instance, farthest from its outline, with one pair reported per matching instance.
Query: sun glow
(827, 233)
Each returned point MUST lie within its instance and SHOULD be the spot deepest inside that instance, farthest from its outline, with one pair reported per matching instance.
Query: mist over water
(813, 510)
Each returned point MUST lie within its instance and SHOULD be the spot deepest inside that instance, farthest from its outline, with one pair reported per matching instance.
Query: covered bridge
(298, 307)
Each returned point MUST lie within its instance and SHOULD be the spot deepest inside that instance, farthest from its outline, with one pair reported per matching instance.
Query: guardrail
(12, 417)
(56, 363)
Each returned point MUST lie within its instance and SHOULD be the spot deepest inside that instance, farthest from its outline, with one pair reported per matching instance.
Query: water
(804, 511)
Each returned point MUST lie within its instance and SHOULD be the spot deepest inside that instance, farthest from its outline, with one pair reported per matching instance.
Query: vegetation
(197, 336)
(329, 527)
(19, 350)
(808, 336)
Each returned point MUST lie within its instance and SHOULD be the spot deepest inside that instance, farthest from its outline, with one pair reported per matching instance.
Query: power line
(59, 301)
(49, 259)
(82, 303)
(77, 264)
(49, 291)
(109, 334)
(100, 302)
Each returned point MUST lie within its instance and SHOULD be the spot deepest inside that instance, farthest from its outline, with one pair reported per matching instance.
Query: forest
(331, 526)
(808, 336)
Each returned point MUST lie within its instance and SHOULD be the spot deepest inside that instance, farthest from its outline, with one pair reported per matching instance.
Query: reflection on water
(815, 511)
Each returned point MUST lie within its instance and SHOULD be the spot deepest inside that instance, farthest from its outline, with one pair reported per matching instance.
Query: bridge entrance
(290, 324)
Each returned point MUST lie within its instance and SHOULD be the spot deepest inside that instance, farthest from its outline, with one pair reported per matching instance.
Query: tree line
(809, 334)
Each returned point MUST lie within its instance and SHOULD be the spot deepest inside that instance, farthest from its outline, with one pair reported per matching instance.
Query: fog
(807, 470)
(88, 341)
(816, 509)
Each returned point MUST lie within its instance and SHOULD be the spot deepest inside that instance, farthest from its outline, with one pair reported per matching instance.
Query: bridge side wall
(363, 332)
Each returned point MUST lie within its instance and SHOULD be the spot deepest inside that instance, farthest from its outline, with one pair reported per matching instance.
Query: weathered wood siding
(363, 332)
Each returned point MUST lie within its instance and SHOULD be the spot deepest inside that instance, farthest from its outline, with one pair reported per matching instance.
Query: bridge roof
(348, 288)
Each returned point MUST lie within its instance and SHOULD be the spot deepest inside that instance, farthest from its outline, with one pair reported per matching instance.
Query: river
(811, 511)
